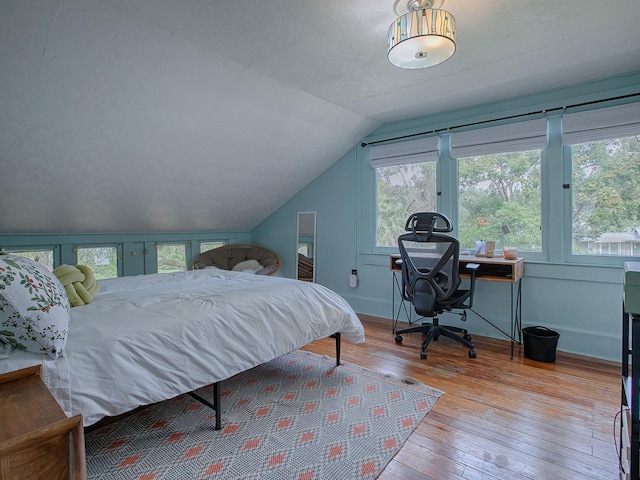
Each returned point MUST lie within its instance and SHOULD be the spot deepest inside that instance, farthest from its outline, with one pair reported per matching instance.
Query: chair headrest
(428, 222)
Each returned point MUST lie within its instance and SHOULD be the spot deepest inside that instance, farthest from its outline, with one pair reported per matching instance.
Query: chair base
(433, 331)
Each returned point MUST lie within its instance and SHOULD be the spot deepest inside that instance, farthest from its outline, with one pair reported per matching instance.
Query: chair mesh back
(433, 260)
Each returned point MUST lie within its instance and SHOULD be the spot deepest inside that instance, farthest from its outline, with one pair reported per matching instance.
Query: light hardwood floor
(499, 418)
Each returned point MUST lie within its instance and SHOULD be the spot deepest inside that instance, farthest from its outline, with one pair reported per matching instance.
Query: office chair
(430, 277)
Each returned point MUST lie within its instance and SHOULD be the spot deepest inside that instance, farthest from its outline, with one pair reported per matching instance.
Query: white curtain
(601, 124)
(510, 137)
(401, 153)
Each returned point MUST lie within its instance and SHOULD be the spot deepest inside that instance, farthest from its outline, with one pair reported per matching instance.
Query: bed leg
(213, 406)
(216, 403)
(337, 337)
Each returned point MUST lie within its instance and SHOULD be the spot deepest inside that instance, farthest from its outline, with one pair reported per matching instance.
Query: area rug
(296, 417)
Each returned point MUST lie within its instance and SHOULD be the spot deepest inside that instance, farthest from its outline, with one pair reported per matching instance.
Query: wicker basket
(227, 256)
(540, 343)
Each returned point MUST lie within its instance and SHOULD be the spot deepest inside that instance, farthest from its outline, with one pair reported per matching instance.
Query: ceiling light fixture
(422, 36)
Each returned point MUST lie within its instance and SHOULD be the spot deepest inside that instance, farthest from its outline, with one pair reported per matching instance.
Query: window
(492, 179)
(103, 261)
(206, 246)
(499, 183)
(172, 257)
(605, 174)
(497, 190)
(606, 197)
(44, 256)
(401, 191)
(405, 175)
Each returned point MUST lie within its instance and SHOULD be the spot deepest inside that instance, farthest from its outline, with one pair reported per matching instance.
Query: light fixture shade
(422, 38)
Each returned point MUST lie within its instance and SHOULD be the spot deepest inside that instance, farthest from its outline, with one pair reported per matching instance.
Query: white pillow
(34, 307)
(249, 266)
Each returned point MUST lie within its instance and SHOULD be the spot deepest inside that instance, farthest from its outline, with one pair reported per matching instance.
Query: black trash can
(540, 343)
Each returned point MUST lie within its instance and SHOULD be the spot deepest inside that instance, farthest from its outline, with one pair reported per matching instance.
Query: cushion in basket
(34, 308)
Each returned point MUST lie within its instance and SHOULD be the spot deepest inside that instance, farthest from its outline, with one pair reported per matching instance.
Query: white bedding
(148, 338)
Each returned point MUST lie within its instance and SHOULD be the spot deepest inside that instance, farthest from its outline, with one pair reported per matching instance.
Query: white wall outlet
(353, 279)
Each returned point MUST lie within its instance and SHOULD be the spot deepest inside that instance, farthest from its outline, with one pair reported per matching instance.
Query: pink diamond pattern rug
(297, 417)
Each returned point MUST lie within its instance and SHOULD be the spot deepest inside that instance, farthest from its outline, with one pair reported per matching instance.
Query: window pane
(45, 257)
(606, 197)
(171, 258)
(501, 189)
(401, 191)
(206, 246)
(306, 249)
(103, 261)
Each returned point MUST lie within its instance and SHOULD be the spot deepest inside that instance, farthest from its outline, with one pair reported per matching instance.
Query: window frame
(498, 238)
(202, 242)
(54, 249)
(416, 151)
(117, 246)
(556, 198)
(627, 128)
(187, 253)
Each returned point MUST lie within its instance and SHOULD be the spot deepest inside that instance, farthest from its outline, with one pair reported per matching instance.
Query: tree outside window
(501, 189)
(171, 257)
(401, 191)
(206, 246)
(45, 257)
(103, 261)
(606, 197)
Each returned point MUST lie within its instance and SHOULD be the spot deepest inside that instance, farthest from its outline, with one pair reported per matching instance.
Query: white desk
(495, 269)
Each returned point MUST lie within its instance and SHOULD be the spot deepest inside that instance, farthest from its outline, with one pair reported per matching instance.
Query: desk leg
(394, 320)
(395, 314)
(514, 320)
(513, 326)
(516, 316)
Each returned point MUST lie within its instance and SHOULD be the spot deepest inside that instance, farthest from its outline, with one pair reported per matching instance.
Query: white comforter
(148, 338)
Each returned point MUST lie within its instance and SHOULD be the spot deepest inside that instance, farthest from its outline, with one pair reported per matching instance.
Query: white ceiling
(208, 115)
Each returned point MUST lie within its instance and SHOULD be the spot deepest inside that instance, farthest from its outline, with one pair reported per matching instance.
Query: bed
(148, 338)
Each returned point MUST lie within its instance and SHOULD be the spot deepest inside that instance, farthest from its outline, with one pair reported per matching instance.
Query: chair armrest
(473, 267)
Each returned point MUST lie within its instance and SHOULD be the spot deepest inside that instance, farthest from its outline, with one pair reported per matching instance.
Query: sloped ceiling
(208, 115)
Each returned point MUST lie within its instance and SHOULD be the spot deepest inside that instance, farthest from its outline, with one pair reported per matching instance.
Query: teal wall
(581, 302)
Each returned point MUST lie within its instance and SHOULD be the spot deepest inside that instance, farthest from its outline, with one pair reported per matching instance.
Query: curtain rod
(511, 117)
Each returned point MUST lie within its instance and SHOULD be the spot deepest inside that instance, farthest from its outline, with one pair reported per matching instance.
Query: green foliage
(506, 188)
(103, 261)
(497, 189)
(606, 187)
(171, 258)
(44, 257)
(403, 190)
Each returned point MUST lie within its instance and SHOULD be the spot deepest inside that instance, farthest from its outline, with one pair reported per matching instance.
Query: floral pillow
(34, 308)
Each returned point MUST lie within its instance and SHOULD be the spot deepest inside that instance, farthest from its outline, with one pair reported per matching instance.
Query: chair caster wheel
(423, 355)
(398, 339)
(472, 354)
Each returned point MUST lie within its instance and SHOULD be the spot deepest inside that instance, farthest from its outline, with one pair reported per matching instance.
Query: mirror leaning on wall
(306, 247)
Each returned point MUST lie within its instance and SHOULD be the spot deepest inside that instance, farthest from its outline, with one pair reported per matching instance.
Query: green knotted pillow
(79, 283)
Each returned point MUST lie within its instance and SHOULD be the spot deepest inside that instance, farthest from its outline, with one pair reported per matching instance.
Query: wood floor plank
(499, 418)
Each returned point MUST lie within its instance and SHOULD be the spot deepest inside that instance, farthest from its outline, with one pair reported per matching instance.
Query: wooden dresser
(37, 440)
